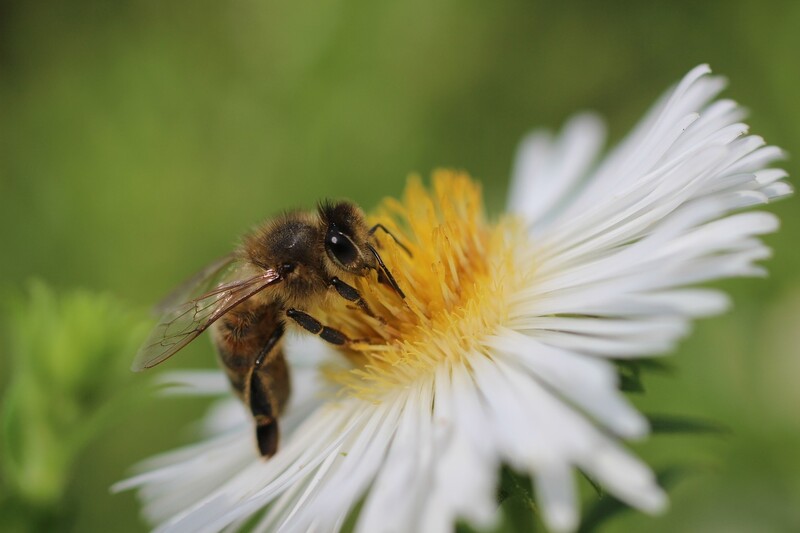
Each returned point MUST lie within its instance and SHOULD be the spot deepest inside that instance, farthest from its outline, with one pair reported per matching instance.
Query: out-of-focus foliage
(139, 138)
(65, 385)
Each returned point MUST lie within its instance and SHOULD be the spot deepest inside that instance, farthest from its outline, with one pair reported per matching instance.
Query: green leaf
(678, 424)
(350, 522)
(631, 373)
(630, 379)
(598, 489)
(70, 354)
(628, 383)
(517, 505)
(655, 366)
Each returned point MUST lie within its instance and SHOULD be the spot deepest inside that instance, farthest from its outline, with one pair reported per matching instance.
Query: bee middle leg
(312, 325)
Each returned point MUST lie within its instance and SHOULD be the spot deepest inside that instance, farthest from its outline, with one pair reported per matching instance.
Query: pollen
(458, 277)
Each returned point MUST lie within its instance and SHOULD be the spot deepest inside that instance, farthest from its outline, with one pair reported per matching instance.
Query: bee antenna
(379, 226)
(385, 271)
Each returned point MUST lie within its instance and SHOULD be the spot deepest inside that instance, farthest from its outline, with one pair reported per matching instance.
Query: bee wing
(182, 323)
(199, 283)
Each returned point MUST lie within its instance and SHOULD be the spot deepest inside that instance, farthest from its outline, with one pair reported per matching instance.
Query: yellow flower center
(457, 280)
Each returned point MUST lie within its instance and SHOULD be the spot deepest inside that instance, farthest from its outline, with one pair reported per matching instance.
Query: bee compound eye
(341, 247)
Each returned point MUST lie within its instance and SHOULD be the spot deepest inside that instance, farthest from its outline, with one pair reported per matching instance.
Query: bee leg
(268, 349)
(268, 390)
(351, 294)
(384, 275)
(312, 325)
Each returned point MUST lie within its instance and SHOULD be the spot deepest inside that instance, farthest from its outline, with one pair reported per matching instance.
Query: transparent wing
(182, 323)
(215, 273)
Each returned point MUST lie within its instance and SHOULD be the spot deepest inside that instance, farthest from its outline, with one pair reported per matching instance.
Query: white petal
(194, 383)
(555, 491)
(397, 496)
(545, 169)
(459, 426)
(624, 476)
(777, 190)
(547, 432)
(353, 468)
(589, 383)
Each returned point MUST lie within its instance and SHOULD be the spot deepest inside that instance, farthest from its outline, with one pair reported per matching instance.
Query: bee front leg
(312, 325)
(351, 294)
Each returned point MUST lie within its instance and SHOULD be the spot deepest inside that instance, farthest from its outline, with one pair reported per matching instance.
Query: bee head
(346, 236)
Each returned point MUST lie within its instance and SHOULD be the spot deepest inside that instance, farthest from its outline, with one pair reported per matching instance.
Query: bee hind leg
(267, 437)
(262, 407)
(268, 392)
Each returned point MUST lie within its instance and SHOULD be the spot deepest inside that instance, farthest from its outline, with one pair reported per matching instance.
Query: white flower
(501, 352)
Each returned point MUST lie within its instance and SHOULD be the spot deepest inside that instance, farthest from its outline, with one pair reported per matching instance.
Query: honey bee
(282, 268)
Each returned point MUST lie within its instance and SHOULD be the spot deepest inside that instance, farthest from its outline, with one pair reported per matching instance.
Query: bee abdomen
(248, 342)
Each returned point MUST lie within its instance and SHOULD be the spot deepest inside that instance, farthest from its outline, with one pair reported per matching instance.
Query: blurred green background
(138, 139)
